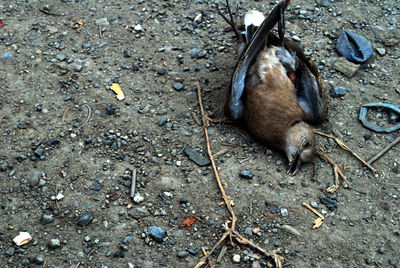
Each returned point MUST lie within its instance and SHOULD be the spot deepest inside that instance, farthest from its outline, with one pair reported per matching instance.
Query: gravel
(84, 220)
(157, 233)
(59, 59)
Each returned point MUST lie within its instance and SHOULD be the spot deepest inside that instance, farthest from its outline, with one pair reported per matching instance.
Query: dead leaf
(117, 89)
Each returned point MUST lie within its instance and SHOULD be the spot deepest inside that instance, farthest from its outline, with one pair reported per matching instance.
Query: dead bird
(275, 87)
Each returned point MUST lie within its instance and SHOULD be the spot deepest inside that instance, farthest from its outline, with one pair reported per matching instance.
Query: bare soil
(54, 168)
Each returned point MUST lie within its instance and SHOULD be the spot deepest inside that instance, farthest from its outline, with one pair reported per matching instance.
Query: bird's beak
(294, 165)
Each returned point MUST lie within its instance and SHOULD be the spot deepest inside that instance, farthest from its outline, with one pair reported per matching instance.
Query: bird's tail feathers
(252, 20)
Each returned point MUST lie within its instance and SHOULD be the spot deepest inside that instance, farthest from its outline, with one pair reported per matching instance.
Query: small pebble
(338, 91)
(127, 239)
(102, 22)
(248, 231)
(61, 57)
(291, 230)
(46, 219)
(10, 251)
(138, 198)
(84, 220)
(381, 51)
(182, 254)
(284, 212)
(127, 54)
(86, 45)
(236, 258)
(138, 28)
(55, 243)
(157, 233)
(177, 86)
(305, 184)
(161, 71)
(246, 174)
(198, 18)
(95, 187)
(39, 260)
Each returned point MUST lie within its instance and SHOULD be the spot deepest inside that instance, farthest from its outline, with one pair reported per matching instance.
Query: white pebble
(138, 28)
(138, 198)
(236, 258)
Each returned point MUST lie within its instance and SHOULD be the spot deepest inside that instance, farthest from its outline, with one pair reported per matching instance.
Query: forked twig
(336, 171)
(233, 20)
(344, 146)
(229, 231)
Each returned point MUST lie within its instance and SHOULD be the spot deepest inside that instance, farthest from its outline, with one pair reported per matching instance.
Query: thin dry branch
(221, 187)
(133, 183)
(387, 148)
(209, 261)
(229, 231)
(345, 147)
(336, 170)
(88, 115)
(320, 220)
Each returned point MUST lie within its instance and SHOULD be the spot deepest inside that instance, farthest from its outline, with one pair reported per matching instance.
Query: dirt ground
(67, 182)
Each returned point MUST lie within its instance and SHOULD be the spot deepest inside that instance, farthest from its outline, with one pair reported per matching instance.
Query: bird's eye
(307, 145)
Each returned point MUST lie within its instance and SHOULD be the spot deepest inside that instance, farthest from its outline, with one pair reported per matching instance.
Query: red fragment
(292, 77)
(2, 23)
(188, 222)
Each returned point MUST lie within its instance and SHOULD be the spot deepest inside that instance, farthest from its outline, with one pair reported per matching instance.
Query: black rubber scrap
(197, 158)
(330, 203)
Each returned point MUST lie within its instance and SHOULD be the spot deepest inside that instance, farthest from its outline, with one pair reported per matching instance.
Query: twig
(133, 183)
(195, 118)
(205, 258)
(93, 250)
(221, 152)
(205, 254)
(344, 146)
(277, 258)
(148, 17)
(387, 148)
(100, 32)
(313, 210)
(221, 188)
(88, 115)
(47, 12)
(336, 171)
(221, 254)
(65, 112)
(232, 144)
(318, 222)
(229, 231)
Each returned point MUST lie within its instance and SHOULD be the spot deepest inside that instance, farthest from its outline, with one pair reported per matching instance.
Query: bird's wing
(235, 104)
(309, 89)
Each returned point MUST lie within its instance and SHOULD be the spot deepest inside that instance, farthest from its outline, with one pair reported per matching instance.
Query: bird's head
(300, 145)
